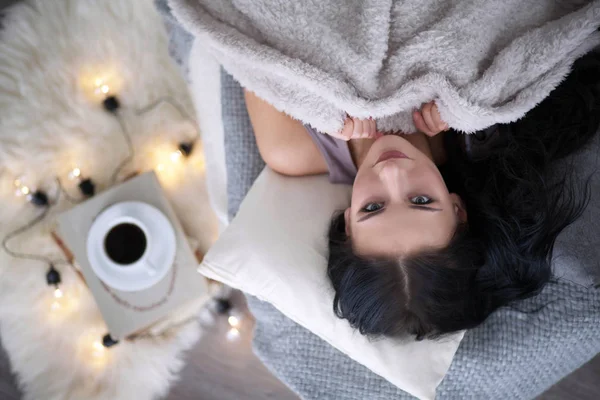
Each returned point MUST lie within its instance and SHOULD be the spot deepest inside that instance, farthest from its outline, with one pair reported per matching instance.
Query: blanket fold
(483, 61)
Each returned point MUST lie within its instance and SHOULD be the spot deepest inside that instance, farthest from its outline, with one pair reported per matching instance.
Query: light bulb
(168, 164)
(90, 349)
(101, 87)
(233, 334)
(86, 185)
(99, 81)
(234, 321)
(58, 305)
(75, 173)
(21, 187)
(55, 306)
(62, 303)
(98, 349)
(176, 156)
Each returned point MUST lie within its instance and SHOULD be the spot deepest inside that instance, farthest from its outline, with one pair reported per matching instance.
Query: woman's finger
(355, 128)
(366, 129)
(437, 118)
(420, 123)
(346, 132)
(426, 113)
(358, 128)
(372, 128)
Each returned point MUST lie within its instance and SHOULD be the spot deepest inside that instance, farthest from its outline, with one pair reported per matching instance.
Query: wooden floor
(221, 369)
(583, 384)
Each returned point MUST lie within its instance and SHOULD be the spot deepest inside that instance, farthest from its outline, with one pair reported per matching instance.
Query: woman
(436, 237)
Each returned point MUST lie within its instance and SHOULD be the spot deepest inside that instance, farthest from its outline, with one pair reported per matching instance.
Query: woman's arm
(282, 141)
(287, 148)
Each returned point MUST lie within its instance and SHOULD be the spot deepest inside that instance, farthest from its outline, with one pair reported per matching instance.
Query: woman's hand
(355, 128)
(428, 120)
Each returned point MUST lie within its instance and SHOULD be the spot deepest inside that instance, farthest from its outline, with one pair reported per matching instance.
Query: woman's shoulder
(337, 155)
(282, 141)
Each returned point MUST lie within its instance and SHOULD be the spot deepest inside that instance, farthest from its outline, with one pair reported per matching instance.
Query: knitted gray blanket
(483, 61)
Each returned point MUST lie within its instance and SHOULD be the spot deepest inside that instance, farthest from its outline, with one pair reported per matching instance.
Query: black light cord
(112, 105)
(166, 100)
(28, 226)
(69, 198)
(21, 230)
(130, 148)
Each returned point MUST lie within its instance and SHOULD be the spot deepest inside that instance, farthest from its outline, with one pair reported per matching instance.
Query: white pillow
(276, 249)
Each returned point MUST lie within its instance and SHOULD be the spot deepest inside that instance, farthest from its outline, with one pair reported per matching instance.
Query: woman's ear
(459, 208)
(347, 221)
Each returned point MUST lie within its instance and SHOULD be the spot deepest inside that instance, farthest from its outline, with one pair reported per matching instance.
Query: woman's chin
(389, 142)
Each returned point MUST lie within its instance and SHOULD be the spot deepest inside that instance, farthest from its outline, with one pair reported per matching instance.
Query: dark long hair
(517, 202)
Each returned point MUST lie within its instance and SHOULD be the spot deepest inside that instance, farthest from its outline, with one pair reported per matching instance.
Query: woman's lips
(388, 155)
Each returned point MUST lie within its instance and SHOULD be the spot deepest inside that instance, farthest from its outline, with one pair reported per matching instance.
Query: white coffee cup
(131, 246)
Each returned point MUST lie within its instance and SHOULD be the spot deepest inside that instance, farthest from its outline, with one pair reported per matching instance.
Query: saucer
(154, 263)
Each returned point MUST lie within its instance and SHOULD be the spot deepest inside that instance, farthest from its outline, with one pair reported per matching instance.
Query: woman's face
(400, 203)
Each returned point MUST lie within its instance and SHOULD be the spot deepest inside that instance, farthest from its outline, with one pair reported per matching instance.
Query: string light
(176, 156)
(234, 321)
(35, 197)
(39, 199)
(74, 174)
(186, 148)
(91, 350)
(21, 188)
(235, 324)
(98, 349)
(53, 279)
(86, 185)
(109, 341)
(111, 104)
(100, 85)
(183, 150)
(55, 306)
(222, 305)
(53, 276)
(64, 302)
(105, 87)
(169, 161)
(233, 334)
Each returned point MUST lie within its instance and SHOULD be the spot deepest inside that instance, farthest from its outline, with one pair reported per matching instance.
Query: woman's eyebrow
(425, 208)
(415, 207)
(370, 215)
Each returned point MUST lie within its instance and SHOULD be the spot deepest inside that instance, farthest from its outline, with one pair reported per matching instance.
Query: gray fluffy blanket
(483, 61)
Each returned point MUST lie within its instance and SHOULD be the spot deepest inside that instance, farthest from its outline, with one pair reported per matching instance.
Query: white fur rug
(51, 53)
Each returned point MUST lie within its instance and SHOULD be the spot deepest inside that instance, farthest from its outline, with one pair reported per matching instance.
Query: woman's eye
(421, 200)
(372, 207)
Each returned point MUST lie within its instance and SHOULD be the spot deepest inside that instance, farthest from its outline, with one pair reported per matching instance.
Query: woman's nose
(394, 177)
